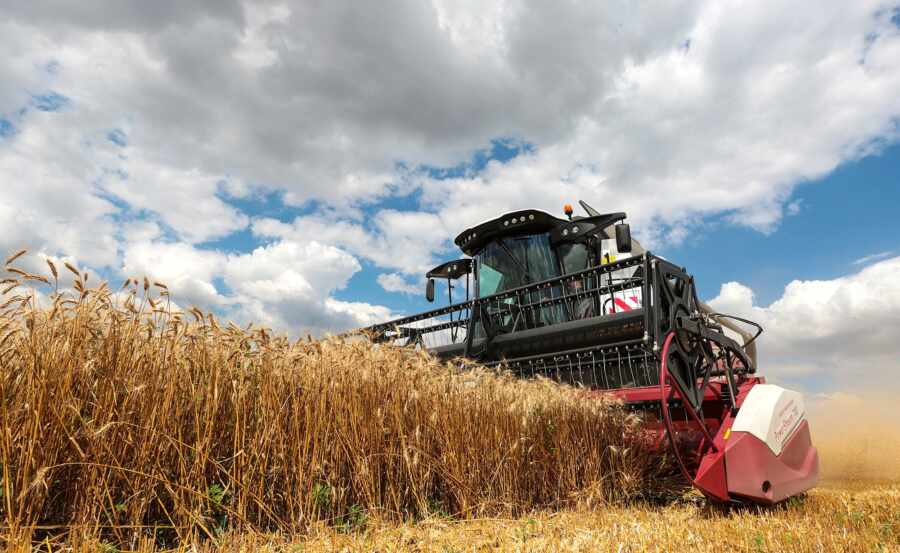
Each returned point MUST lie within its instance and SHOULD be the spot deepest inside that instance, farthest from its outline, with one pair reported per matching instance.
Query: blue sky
(852, 213)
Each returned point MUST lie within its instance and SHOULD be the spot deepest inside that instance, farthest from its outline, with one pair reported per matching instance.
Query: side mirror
(623, 238)
(429, 290)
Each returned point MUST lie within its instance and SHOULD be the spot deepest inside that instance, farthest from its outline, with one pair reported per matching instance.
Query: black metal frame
(669, 301)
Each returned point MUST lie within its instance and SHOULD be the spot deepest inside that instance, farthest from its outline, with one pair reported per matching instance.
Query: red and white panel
(622, 301)
(769, 455)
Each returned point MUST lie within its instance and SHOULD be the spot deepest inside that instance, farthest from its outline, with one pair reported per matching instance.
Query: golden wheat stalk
(120, 415)
(15, 256)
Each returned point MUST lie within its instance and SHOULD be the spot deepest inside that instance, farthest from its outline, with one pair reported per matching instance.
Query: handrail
(600, 270)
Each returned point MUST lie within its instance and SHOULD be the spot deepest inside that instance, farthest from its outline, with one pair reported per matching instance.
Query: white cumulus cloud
(395, 282)
(131, 127)
(841, 331)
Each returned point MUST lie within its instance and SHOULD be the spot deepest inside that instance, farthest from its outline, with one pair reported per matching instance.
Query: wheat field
(126, 420)
(130, 424)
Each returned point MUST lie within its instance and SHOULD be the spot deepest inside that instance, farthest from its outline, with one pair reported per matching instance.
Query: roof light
(531, 217)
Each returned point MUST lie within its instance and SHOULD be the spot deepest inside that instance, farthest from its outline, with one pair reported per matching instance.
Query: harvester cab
(581, 302)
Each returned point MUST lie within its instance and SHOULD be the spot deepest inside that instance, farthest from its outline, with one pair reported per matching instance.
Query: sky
(302, 164)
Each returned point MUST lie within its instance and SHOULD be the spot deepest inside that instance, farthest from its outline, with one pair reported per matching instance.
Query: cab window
(574, 257)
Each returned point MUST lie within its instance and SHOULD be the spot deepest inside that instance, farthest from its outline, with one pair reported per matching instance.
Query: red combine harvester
(578, 301)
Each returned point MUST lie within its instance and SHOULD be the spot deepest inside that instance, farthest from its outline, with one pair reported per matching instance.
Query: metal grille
(606, 358)
(627, 365)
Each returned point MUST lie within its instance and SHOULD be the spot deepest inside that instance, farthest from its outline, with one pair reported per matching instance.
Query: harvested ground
(839, 516)
(858, 516)
(836, 517)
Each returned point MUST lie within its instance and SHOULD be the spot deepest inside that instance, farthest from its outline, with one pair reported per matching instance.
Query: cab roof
(514, 223)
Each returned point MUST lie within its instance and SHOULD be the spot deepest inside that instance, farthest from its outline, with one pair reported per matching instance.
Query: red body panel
(738, 465)
(756, 473)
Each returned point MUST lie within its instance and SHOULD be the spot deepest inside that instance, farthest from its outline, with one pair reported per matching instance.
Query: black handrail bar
(382, 328)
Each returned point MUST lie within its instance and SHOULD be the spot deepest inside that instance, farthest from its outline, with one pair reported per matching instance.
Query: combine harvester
(578, 301)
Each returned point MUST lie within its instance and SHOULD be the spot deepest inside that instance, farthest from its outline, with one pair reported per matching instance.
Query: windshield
(512, 262)
(574, 257)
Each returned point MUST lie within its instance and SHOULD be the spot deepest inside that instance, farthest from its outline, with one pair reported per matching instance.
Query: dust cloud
(857, 434)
